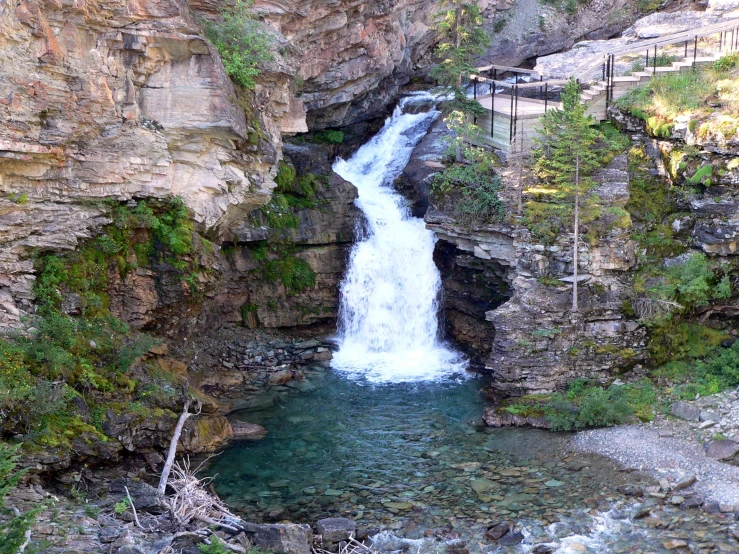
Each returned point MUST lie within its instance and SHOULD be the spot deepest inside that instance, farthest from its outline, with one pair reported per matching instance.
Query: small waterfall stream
(389, 297)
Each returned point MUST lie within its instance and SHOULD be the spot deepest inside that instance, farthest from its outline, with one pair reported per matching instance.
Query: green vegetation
(550, 210)
(586, 405)
(12, 527)
(687, 353)
(242, 42)
(294, 273)
(329, 136)
(697, 93)
(154, 232)
(58, 382)
(471, 188)
(120, 507)
(727, 62)
(667, 95)
(293, 193)
(21, 198)
(461, 40)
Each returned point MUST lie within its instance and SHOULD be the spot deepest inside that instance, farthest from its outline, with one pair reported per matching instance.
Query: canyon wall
(508, 298)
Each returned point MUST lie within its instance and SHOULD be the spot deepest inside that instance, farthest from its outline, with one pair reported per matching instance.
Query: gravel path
(665, 449)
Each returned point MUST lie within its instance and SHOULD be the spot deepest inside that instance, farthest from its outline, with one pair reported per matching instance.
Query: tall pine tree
(461, 40)
(565, 157)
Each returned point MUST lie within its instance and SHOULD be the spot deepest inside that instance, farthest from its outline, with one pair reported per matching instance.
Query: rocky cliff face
(537, 344)
(107, 101)
(525, 29)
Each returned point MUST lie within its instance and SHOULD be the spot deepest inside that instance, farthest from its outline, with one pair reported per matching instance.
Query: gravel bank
(665, 449)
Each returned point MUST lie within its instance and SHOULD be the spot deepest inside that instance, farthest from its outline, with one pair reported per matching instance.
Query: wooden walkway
(516, 111)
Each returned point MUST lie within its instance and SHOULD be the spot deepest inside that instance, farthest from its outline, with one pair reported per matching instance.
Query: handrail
(596, 60)
(508, 69)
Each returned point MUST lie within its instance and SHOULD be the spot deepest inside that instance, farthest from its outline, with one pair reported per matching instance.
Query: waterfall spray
(388, 327)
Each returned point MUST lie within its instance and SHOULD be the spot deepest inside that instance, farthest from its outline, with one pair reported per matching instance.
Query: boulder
(511, 538)
(247, 431)
(496, 531)
(144, 496)
(685, 410)
(724, 450)
(281, 538)
(683, 484)
(336, 529)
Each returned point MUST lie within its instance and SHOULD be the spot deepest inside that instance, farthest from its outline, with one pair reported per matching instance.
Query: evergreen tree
(461, 40)
(565, 157)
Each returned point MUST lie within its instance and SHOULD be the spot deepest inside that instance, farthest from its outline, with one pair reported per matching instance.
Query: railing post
(603, 78)
(695, 50)
(646, 59)
(607, 71)
(492, 114)
(613, 70)
(510, 123)
(654, 62)
(546, 96)
(474, 88)
(686, 50)
(515, 119)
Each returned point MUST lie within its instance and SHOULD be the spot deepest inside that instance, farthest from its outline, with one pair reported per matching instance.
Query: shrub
(480, 204)
(12, 527)
(329, 136)
(471, 187)
(693, 284)
(585, 405)
(727, 62)
(242, 42)
(294, 273)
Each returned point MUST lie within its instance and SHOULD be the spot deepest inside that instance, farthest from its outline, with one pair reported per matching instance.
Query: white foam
(388, 324)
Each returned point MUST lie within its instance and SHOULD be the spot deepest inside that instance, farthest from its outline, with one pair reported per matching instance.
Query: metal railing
(603, 63)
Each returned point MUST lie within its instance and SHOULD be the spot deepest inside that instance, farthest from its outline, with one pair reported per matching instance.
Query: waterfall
(388, 326)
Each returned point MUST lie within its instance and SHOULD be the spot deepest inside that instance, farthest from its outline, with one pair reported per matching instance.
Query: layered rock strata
(103, 101)
(538, 344)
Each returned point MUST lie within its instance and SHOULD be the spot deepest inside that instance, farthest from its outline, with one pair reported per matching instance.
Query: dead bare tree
(161, 489)
(651, 308)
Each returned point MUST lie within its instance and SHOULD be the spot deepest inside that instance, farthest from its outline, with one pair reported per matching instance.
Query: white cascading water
(388, 315)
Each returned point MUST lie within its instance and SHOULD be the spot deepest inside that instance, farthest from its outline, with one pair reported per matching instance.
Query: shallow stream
(413, 457)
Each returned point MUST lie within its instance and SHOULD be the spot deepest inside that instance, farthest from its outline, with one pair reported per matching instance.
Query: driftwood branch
(650, 308)
(133, 509)
(173, 450)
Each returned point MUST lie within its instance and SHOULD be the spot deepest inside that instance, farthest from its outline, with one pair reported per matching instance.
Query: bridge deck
(525, 109)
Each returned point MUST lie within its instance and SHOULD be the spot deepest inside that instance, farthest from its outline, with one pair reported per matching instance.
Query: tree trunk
(576, 233)
(458, 42)
(173, 449)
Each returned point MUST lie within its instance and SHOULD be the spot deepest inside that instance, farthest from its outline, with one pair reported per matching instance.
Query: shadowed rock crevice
(471, 287)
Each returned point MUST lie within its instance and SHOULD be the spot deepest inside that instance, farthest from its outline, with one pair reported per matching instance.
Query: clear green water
(414, 458)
